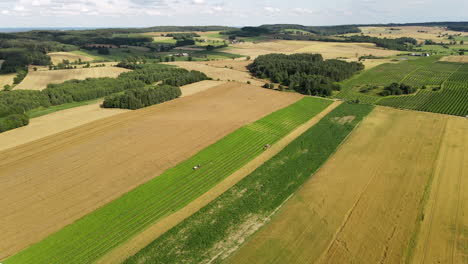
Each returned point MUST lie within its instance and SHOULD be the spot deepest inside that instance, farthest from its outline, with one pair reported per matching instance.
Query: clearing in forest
(6, 79)
(38, 80)
(84, 168)
(365, 204)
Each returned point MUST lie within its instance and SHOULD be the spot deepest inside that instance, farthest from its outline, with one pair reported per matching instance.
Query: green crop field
(89, 238)
(216, 230)
(446, 91)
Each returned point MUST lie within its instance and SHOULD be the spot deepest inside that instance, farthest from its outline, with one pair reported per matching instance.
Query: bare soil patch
(38, 80)
(50, 183)
(362, 205)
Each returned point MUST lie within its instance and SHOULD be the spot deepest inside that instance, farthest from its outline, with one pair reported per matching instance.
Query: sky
(145, 13)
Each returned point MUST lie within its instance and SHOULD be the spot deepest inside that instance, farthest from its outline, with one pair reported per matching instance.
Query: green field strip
(452, 78)
(202, 237)
(92, 236)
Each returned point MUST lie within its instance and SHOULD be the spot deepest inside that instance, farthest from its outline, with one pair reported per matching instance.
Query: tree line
(19, 102)
(305, 73)
(142, 97)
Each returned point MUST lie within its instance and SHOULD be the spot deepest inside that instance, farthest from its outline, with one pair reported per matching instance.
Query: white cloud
(272, 9)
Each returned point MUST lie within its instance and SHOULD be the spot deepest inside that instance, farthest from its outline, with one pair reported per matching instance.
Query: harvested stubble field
(238, 64)
(82, 169)
(214, 72)
(6, 79)
(58, 57)
(38, 80)
(329, 50)
(443, 237)
(418, 32)
(214, 232)
(365, 204)
(459, 59)
(49, 124)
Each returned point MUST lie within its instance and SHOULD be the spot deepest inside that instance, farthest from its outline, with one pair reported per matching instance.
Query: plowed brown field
(52, 182)
(364, 205)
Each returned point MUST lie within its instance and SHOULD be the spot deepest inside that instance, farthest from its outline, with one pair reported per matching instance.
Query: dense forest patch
(305, 73)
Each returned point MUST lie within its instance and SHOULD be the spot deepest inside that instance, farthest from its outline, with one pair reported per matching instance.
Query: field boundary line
(141, 240)
(425, 199)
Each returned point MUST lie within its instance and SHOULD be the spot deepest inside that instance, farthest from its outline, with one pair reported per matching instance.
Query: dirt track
(363, 205)
(54, 181)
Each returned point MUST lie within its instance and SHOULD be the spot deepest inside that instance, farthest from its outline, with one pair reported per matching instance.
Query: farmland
(226, 222)
(38, 80)
(58, 57)
(329, 50)
(215, 72)
(449, 79)
(368, 213)
(235, 106)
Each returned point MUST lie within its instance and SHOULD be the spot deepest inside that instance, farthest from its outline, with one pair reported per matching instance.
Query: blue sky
(142, 13)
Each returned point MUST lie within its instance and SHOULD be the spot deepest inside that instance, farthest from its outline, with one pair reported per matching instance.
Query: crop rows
(210, 234)
(451, 99)
(450, 81)
(91, 237)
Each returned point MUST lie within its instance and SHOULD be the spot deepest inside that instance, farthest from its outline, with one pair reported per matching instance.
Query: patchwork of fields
(82, 169)
(365, 205)
(171, 190)
(449, 79)
(213, 233)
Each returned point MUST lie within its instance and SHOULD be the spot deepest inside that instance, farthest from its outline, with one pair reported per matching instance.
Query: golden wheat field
(365, 205)
(58, 57)
(38, 80)
(82, 169)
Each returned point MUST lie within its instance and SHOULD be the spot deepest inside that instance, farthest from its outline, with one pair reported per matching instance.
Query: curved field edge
(94, 235)
(217, 230)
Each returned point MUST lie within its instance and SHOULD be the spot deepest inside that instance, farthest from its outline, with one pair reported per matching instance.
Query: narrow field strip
(130, 248)
(214, 232)
(91, 237)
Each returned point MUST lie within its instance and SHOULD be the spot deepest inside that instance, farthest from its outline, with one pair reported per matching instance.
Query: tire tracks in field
(131, 247)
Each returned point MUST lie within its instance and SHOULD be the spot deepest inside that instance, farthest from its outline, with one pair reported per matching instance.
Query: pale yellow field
(6, 79)
(364, 205)
(56, 122)
(459, 59)
(424, 33)
(53, 123)
(329, 50)
(444, 231)
(58, 57)
(223, 74)
(238, 65)
(38, 80)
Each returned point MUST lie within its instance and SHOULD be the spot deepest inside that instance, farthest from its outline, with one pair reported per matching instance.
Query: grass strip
(89, 238)
(214, 232)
